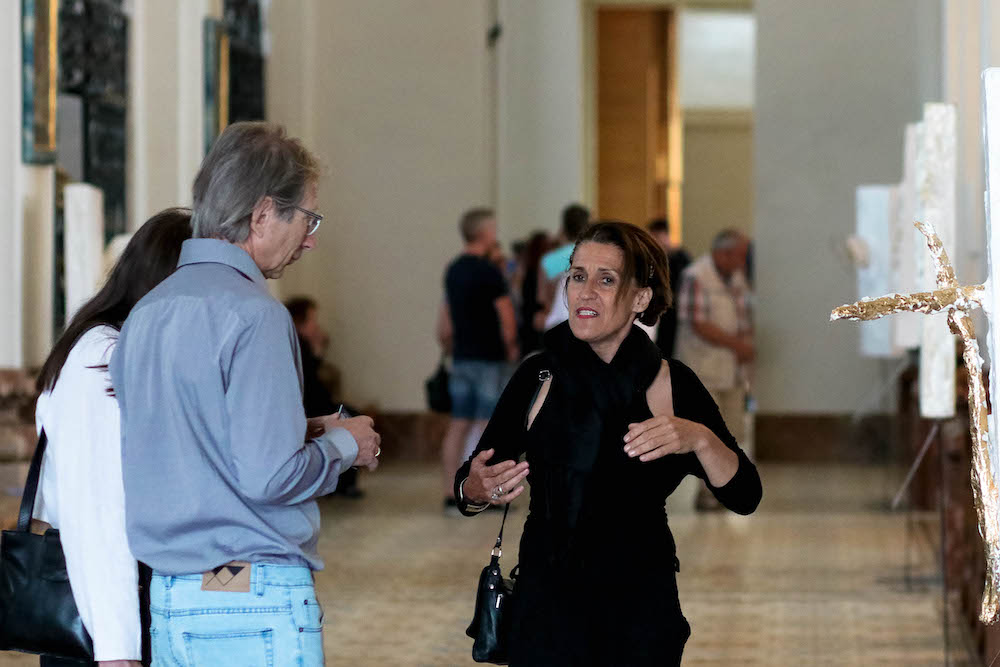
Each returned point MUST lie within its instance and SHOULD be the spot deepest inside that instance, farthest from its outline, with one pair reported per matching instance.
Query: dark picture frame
(40, 79)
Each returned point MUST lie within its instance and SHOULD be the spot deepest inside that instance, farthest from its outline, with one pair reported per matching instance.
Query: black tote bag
(438, 395)
(37, 610)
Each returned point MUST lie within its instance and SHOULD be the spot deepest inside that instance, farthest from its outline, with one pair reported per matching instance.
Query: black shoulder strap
(31, 485)
(502, 522)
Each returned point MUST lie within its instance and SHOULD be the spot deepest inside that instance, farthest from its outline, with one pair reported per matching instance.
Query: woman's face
(596, 314)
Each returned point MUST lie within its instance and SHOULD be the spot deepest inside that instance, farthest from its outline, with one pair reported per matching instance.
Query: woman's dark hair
(575, 219)
(535, 248)
(644, 259)
(150, 256)
(299, 307)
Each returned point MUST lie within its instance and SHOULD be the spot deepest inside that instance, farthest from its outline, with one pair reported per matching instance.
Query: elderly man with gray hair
(715, 333)
(221, 467)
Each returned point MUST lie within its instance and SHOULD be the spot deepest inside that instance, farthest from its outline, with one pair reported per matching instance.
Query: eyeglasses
(314, 223)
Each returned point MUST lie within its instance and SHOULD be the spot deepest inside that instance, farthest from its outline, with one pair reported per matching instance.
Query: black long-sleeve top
(600, 587)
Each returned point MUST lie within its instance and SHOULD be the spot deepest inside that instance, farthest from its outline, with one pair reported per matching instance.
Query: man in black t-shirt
(478, 326)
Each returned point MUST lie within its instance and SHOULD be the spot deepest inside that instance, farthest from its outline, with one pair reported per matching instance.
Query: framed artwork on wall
(216, 114)
(235, 60)
(39, 76)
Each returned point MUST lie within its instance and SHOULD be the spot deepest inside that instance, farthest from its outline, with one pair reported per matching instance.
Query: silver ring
(495, 496)
(378, 450)
(499, 490)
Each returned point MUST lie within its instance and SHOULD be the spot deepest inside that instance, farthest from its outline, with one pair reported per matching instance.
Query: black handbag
(490, 627)
(438, 396)
(37, 610)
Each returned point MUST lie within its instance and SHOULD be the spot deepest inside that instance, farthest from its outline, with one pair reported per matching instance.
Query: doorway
(639, 128)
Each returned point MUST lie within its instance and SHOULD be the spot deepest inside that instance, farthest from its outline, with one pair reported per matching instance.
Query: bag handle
(497, 551)
(31, 485)
(543, 377)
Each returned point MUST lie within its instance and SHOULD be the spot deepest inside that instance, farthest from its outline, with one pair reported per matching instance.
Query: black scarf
(587, 410)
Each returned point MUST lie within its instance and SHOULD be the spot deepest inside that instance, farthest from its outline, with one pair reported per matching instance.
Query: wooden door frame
(588, 15)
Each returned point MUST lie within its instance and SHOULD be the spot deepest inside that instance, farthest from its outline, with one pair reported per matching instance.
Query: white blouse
(81, 493)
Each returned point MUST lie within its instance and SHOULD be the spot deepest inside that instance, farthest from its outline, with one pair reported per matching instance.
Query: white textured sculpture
(875, 207)
(936, 175)
(907, 330)
(958, 301)
(83, 242)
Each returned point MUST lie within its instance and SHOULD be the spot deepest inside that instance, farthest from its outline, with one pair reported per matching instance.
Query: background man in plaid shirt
(715, 333)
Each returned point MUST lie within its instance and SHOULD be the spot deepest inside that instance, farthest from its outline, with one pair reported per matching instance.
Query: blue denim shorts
(278, 623)
(475, 387)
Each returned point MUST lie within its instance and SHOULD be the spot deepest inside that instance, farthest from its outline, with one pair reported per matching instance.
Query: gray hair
(728, 238)
(471, 222)
(249, 161)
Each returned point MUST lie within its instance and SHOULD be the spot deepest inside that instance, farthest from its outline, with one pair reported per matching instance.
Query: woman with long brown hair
(81, 491)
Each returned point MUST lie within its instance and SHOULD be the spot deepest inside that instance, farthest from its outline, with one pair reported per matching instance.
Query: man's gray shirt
(216, 466)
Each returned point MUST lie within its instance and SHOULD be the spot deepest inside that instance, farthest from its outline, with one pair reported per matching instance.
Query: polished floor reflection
(816, 577)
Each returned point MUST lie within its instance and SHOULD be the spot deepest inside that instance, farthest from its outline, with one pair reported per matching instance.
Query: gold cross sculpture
(958, 301)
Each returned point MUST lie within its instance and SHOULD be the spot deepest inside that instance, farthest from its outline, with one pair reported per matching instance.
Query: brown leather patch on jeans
(229, 578)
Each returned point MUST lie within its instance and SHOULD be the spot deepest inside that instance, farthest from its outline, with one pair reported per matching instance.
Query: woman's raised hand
(496, 484)
(660, 436)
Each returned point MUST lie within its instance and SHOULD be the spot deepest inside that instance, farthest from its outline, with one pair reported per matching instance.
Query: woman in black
(609, 428)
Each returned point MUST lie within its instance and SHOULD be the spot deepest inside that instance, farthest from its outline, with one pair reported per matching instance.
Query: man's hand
(363, 431)
(496, 484)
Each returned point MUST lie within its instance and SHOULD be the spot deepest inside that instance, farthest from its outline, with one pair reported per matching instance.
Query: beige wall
(391, 96)
(166, 103)
(718, 175)
(836, 83)
(540, 110)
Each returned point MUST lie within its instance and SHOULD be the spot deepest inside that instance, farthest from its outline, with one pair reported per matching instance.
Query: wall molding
(743, 5)
(820, 438)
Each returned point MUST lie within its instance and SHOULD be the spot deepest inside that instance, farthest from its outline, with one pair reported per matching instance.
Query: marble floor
(815, 577)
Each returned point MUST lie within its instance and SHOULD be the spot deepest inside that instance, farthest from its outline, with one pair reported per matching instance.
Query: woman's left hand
(660, 436)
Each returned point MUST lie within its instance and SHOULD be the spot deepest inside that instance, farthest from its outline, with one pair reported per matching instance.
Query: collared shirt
(214, 457)
(698, 287)
(705, 297)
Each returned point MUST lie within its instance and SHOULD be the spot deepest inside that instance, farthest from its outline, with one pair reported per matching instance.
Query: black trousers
(145, 576)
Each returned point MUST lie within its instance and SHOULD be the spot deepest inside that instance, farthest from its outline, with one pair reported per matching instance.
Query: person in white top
(81, 491)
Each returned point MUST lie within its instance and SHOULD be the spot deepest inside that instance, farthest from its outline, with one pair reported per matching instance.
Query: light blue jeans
(475, 387)
(278, 623)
